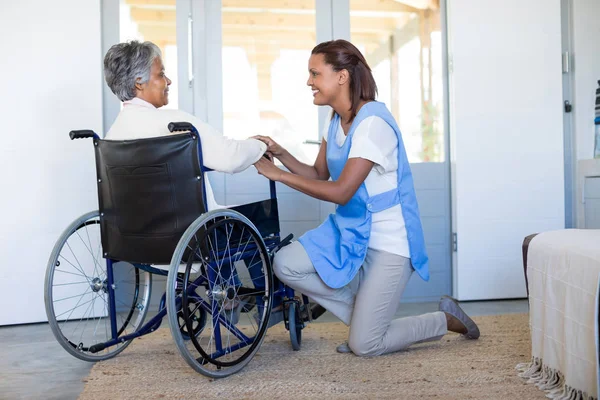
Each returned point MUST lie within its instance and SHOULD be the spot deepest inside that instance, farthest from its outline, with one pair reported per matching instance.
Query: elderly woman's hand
(267, 168)
(273, 148)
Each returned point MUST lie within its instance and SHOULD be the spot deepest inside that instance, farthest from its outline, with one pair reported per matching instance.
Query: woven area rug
(453, 368)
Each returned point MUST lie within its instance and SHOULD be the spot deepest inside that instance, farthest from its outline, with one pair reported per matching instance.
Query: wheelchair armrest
(82, 134)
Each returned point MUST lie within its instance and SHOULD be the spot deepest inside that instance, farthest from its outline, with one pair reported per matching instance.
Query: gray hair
(128, 63)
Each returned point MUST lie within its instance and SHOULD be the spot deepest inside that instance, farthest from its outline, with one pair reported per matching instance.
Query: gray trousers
(367, 304)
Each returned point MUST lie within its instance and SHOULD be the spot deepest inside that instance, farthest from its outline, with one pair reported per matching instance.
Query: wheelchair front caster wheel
(295, 325)
(197, 316)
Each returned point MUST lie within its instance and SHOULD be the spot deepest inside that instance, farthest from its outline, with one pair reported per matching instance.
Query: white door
(507, 138)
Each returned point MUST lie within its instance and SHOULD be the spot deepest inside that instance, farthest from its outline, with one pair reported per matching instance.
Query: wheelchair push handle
(181, 127)
(82, 134)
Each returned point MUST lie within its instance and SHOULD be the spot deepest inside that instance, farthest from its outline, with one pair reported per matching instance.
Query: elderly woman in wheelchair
(157, 216)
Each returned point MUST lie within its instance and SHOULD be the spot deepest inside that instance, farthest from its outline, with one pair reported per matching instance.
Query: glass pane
(154, 21)
(402, 43)
(265, 68)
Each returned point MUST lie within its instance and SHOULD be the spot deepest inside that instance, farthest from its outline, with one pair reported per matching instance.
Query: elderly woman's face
(156, 90)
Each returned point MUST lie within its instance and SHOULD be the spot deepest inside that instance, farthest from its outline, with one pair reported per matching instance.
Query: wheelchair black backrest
(149, 192)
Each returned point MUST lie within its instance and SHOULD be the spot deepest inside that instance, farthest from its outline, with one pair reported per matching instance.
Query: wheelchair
(153, 220)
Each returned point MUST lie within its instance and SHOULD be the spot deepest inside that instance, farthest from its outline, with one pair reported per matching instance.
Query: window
(265, 69)
(402, 43)
(155, 22)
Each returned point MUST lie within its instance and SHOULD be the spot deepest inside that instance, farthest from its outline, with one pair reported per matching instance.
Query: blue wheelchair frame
(281, 292)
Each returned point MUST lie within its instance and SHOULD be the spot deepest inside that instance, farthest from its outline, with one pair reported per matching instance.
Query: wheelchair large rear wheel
(223, 267)
(77, 293)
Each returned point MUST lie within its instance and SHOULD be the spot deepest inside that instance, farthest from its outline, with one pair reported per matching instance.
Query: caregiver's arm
(339, 192)
(317, 171)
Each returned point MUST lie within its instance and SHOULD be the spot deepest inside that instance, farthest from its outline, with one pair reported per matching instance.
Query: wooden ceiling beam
(151, 3)
(302, 6)
(295, 5)
(265, 21)
(390, 6)
(168, 33)
(421, 4)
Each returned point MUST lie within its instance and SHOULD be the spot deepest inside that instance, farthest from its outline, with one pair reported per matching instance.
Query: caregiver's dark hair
(341, 54)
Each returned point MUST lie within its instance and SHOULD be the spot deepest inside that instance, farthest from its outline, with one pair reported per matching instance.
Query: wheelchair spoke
(97, 324)
(94, 316)
(71, 273)
(259, 262)
(74, 308)
(90, 249)
(240, 244)
(250, 292)
(92, 253)
(67, 298)
(71, 283)
(254, 255)
(241, 254)
(99, 251)
(204, 262)
(83, 317)
(227, 247)
(233, 303)
(220, 265)
(78, 269)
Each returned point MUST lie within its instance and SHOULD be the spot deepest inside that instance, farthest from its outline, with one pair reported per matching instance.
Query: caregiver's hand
(273, 148)
(267, 168)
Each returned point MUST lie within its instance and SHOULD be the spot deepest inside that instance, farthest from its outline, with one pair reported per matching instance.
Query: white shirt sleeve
(222, 153)
(376, 141)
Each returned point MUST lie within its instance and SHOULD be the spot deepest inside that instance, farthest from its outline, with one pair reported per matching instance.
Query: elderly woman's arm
(224, 154)
(229, 155)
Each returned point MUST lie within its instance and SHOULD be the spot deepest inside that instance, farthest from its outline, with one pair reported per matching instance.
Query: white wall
(586, 70)
(51, 69)
(506, 138)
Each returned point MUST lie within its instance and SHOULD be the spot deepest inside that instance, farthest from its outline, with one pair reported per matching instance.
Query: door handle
(190, 60)
(309, 141)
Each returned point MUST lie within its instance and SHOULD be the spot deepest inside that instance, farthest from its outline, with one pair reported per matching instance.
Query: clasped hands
(265, 166)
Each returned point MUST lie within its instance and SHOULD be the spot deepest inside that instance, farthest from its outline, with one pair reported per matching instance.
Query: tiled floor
(34, 366)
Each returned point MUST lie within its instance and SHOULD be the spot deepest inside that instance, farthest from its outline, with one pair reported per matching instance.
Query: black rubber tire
(195, 351)
(295, 326)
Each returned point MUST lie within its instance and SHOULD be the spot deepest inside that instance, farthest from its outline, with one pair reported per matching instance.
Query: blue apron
(337, 248)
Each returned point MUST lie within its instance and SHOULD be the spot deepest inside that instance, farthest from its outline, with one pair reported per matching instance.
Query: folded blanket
(563, 270)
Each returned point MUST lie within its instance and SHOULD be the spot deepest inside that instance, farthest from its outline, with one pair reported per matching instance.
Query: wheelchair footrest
(97, 347)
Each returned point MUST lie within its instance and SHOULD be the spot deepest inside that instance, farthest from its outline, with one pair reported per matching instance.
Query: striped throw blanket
(563, 270)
